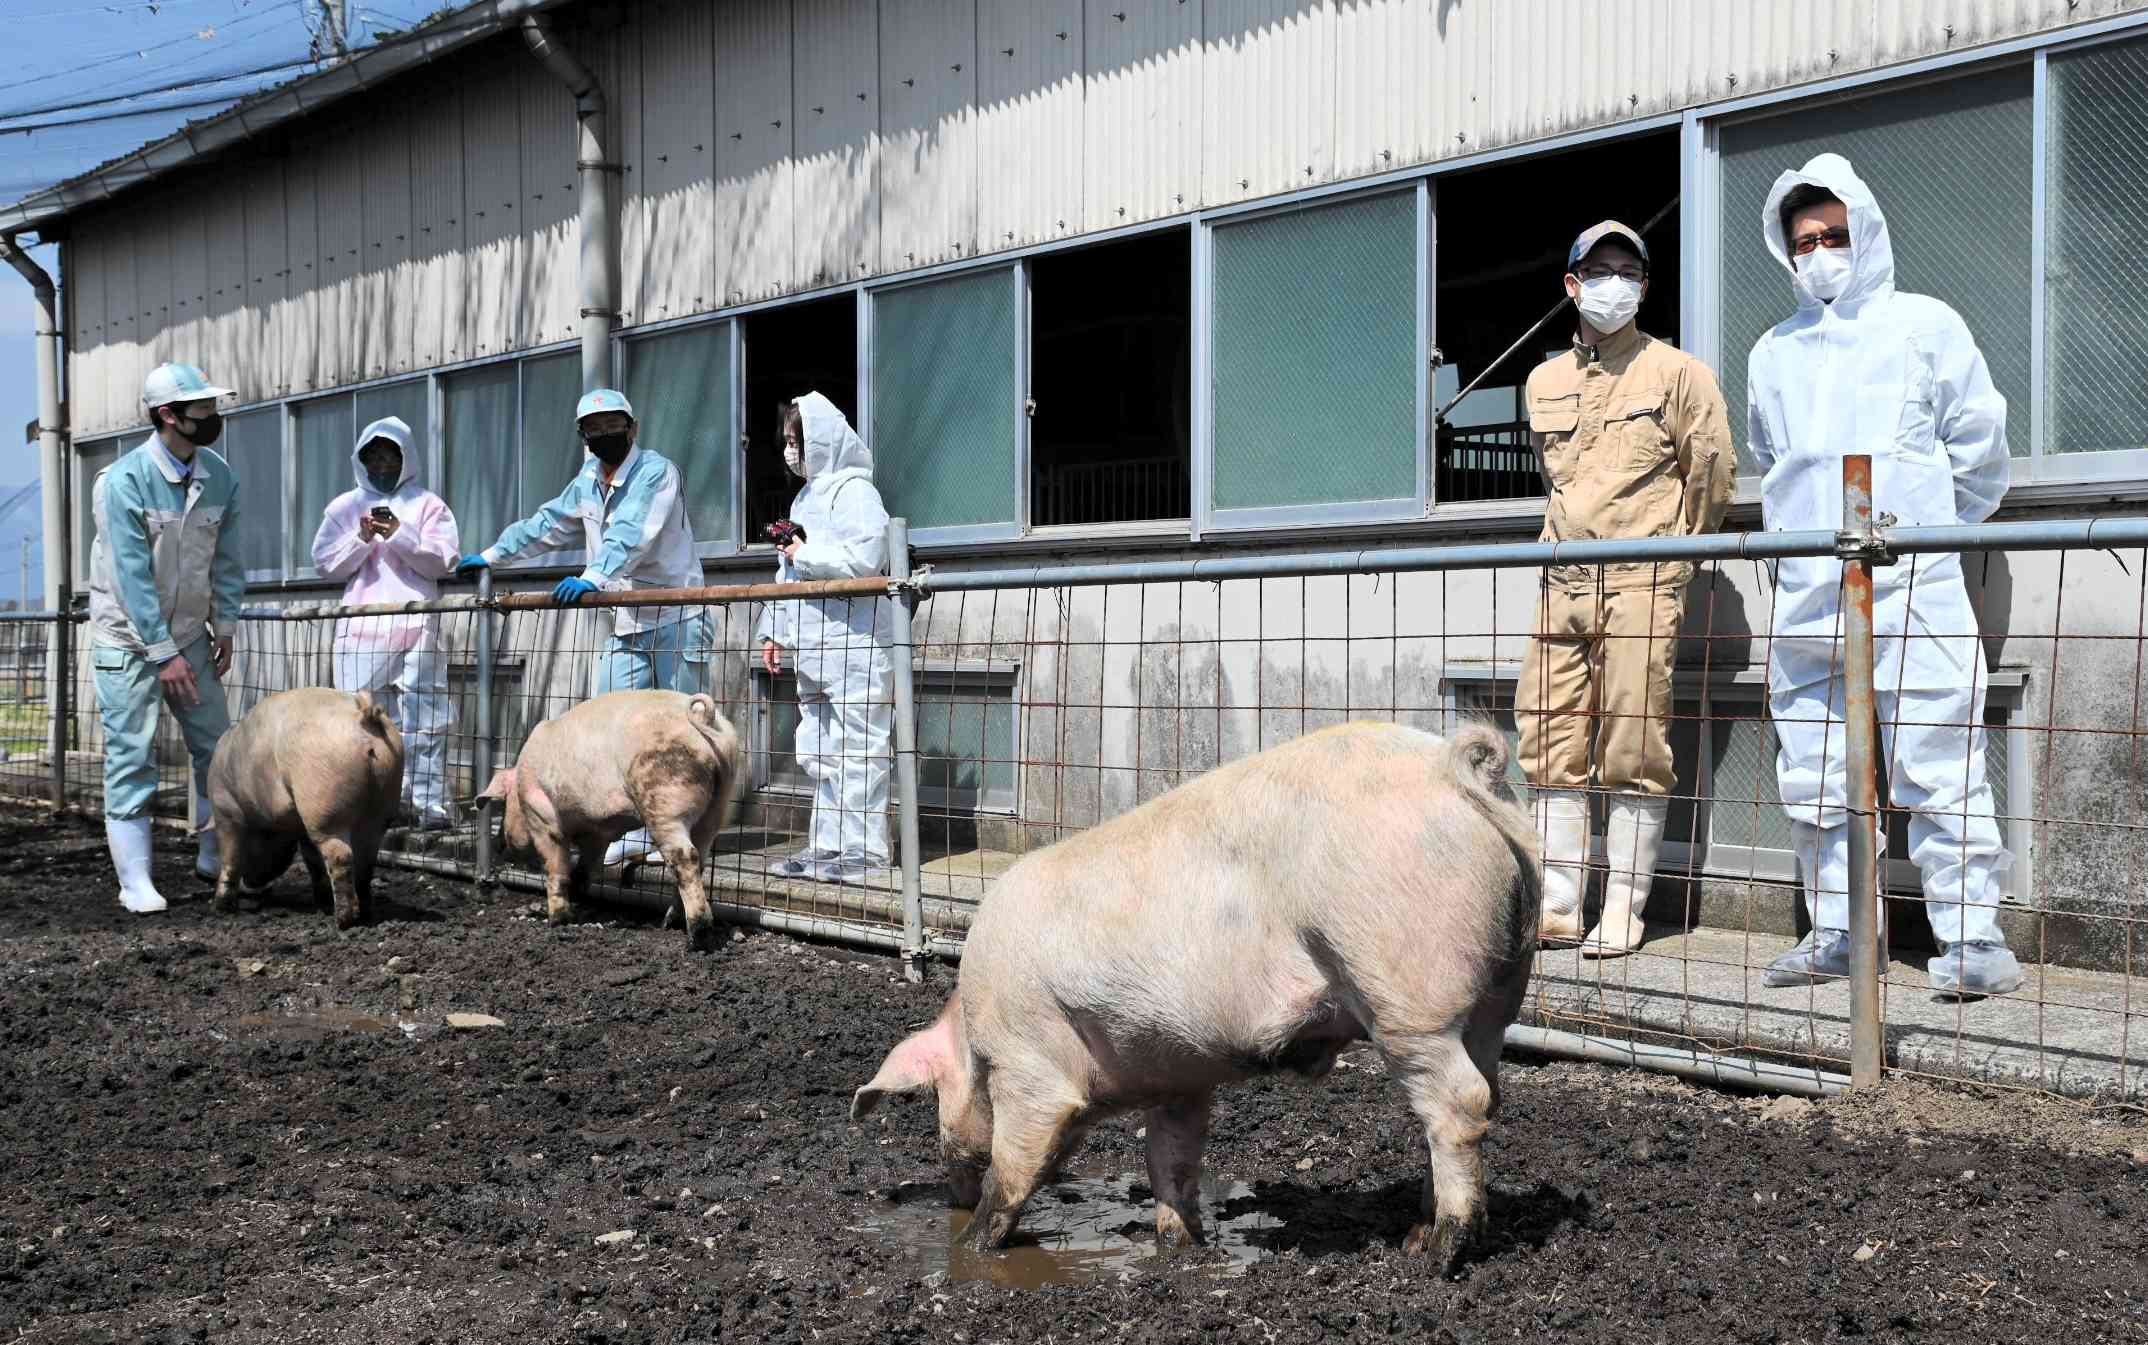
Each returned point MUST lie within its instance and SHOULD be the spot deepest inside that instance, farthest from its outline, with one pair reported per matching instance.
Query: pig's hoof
(562, 914)
(1176, 1230)
(701, 938)
(988, 1232)
(1439, 1242)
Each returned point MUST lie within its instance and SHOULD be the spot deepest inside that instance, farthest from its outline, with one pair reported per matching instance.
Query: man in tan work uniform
(1633, 441)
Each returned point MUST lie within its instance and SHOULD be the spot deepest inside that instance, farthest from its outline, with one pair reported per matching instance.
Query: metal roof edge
(253, 116)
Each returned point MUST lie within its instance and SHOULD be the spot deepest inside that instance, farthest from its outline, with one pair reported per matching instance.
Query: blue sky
(67, 51)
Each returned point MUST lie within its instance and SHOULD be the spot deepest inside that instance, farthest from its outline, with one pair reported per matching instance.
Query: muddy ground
(216, 1128)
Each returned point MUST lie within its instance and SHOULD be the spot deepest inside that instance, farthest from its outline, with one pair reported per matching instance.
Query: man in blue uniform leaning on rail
(627, 506)
(165, 588)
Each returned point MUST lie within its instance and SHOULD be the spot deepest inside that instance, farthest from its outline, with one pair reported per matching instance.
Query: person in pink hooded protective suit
(392, 540)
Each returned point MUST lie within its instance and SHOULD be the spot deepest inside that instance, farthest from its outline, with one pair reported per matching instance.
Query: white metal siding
(1029, 121)
(186, 236)
(753, 221)
(835, 105)
(491, 122)
(928, 132)
(1268, 76)
(675, 169)
(229, 326)
(439, 270)
(778, 145)
(89, 354)
(339, 185)
(549, 206)
(266, 360)
(300, 327)
(1142, 111)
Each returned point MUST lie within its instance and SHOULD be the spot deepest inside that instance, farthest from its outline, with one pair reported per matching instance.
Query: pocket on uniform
(1637, 426)
(106, 660)
(1553, 421)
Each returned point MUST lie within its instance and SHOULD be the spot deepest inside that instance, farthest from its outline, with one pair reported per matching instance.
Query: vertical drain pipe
(598, 176)
(52, 467)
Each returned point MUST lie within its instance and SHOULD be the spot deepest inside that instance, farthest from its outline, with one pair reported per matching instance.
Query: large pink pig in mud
(1366, 882)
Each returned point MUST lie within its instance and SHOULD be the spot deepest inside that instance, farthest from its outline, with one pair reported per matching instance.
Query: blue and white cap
(603, 399)
(169, 384)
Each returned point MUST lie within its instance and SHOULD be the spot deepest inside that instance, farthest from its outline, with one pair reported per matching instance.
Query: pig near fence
(312, 772)
(662, 760)
(1364, 882)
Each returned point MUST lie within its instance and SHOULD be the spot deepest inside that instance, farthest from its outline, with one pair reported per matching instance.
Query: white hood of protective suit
(397, 432)
(833, 451)
(1871, 254)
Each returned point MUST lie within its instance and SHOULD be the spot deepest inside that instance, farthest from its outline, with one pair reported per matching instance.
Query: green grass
(22, 726)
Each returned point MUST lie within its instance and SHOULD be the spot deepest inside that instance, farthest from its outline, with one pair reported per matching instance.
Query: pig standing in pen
(1364, 882)
(312, 772)
(661, 760)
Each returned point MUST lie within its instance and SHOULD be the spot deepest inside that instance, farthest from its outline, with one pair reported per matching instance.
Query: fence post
(913, 897)
(59, 698)
(1859, 548)
(482, 747)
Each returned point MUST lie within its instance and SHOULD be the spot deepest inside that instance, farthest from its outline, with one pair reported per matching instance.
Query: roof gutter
(253, 116)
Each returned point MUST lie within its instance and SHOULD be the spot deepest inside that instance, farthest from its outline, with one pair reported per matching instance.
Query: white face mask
(1826, 272)
(1609, 302)
(794, 460)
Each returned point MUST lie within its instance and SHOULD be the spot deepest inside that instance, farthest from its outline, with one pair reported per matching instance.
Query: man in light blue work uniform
(165, 588)
(627, 507)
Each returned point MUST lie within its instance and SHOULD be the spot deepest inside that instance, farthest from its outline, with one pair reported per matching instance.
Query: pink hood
(407, 567)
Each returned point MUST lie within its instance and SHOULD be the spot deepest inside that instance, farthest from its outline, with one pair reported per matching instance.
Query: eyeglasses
(1804, 245)
(1633, 273)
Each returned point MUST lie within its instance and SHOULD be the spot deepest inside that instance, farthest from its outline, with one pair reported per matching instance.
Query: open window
(1110, 384)
(1503, 236)
(790, 351)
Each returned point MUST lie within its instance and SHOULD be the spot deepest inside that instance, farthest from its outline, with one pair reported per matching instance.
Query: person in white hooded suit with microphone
(841, 646)
(1864, 368)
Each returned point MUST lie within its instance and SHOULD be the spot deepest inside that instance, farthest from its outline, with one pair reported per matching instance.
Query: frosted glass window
(944, 432)
(2095, 267)
(253, 444)
(680, 384)
(322, 434)
(477, 429)
(1315, 356)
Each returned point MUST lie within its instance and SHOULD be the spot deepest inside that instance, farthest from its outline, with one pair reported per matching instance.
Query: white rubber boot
(129, 841)
(635, 847)
(1562, 817)
(1632, 833)
(209, 860)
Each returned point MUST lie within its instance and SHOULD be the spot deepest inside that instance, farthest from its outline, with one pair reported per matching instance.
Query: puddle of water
(1075, 1231)
(314, 1022)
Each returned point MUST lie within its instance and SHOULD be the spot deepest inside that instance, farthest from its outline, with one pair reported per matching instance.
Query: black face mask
(611, 449)
(207, 430)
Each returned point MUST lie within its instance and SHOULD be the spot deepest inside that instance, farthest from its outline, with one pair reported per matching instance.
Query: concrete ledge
(2066, 1031)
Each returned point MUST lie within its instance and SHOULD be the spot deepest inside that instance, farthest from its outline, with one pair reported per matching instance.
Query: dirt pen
(461, 1124)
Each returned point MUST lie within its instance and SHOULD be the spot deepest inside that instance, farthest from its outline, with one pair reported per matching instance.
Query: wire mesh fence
(1039, 702)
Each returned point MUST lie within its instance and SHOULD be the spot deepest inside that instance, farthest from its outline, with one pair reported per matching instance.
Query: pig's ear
(920, 1062)
(503, 784)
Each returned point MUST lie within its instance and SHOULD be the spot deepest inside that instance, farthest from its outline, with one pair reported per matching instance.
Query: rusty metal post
(481, 753)
(913, 898)
(1860, 547)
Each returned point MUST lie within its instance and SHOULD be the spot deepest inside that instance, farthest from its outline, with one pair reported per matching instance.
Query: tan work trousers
(1595, 696)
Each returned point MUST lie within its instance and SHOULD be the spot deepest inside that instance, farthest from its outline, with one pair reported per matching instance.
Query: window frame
(1207, 516)
(736, 544)
(932, 679)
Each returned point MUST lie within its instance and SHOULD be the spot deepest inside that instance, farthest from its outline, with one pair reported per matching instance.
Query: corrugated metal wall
(772, 146)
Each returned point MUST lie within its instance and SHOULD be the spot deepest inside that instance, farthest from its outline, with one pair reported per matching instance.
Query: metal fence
(1031, 702)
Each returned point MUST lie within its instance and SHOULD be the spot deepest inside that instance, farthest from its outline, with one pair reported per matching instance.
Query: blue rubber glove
(572, 590)
(472, 563)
